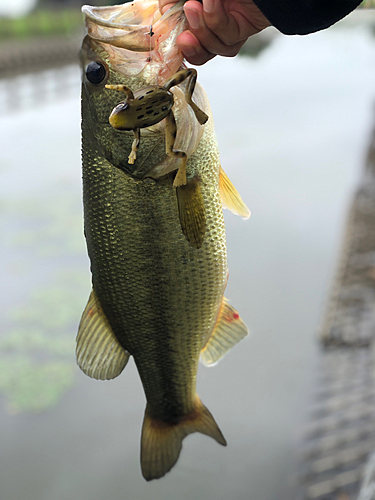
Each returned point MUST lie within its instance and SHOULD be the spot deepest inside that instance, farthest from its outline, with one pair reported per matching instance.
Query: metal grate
(342, 433)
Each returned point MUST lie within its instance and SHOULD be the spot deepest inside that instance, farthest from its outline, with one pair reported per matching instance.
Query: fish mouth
(157, 129)
(132, 26)
(118, 16)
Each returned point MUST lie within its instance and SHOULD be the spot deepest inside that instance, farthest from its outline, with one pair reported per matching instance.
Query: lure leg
(170, 136)
(199, 114)
(178, 78)
(135, 146)
(121, 88)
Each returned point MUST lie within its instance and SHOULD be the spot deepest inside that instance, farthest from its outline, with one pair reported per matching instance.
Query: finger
(164, 5)
(236, 24)
(192, 50)
(223, 24)
(207, 39)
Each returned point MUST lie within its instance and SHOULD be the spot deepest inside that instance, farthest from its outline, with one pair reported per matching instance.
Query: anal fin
(230, 197)
(191, 212)
(99, 353)
(228, 331)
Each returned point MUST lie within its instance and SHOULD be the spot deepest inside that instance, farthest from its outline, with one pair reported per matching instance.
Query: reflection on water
(42, 242)
(27, 91)
(292, 127)
(37, 352)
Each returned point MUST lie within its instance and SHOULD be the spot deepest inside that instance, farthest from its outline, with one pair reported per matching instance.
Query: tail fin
(162, 441)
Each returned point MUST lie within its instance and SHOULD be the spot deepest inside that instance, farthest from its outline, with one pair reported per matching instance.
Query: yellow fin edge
(228, 331)
(99, 354)
(161, 441)
(230, 197)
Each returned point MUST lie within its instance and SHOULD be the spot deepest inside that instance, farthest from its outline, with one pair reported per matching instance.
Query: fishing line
(151, 34)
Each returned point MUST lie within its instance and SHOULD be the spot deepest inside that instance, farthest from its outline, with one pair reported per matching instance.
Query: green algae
(37, 362)
(34, 387)
(26, 341)
(42, 237)
(49, 228)
(49, 308)
(41, 22)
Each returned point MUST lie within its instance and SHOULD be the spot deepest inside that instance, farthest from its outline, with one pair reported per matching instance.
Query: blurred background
(294, 118)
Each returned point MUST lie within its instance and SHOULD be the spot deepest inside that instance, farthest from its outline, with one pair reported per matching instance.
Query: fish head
(132, 45)
(140, 43)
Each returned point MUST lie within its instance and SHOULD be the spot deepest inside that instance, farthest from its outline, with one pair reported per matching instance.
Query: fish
(157, 248)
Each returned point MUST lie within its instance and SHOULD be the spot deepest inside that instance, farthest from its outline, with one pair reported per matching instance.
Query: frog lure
(151, 105)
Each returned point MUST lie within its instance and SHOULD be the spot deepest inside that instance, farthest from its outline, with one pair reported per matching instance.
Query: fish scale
(157, 250)
(191, 309)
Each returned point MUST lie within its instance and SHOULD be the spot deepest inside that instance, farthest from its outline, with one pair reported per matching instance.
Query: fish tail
(161, 441)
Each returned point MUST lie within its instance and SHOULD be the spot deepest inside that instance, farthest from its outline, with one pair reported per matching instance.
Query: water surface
(293, 126)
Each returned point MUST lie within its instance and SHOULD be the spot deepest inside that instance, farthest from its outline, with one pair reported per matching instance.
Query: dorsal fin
(99, 354)
(230, 197)
(228, 331)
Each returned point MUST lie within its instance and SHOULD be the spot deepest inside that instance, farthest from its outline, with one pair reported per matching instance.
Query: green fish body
(158, 289)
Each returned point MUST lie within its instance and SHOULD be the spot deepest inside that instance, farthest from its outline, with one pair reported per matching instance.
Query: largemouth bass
(157, 247)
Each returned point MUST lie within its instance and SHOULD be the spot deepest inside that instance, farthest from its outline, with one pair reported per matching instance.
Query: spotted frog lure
(151, 105)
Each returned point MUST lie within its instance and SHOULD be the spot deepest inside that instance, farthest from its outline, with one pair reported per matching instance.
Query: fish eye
(96, 72)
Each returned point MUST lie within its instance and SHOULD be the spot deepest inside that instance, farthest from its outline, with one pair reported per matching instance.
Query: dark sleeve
(300, 17)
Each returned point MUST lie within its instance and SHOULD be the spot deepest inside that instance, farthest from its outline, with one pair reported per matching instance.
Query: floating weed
(50, 309)
(36, 368)
(37, 361)
(34, 387)
(25, 341)
(48, 229)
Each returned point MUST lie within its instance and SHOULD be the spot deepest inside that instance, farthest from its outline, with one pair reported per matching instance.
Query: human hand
(217, 27)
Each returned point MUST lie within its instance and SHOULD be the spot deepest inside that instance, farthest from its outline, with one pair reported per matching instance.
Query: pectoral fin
(99, 353)
(230, 197)
(191, 212)
(228, 331)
